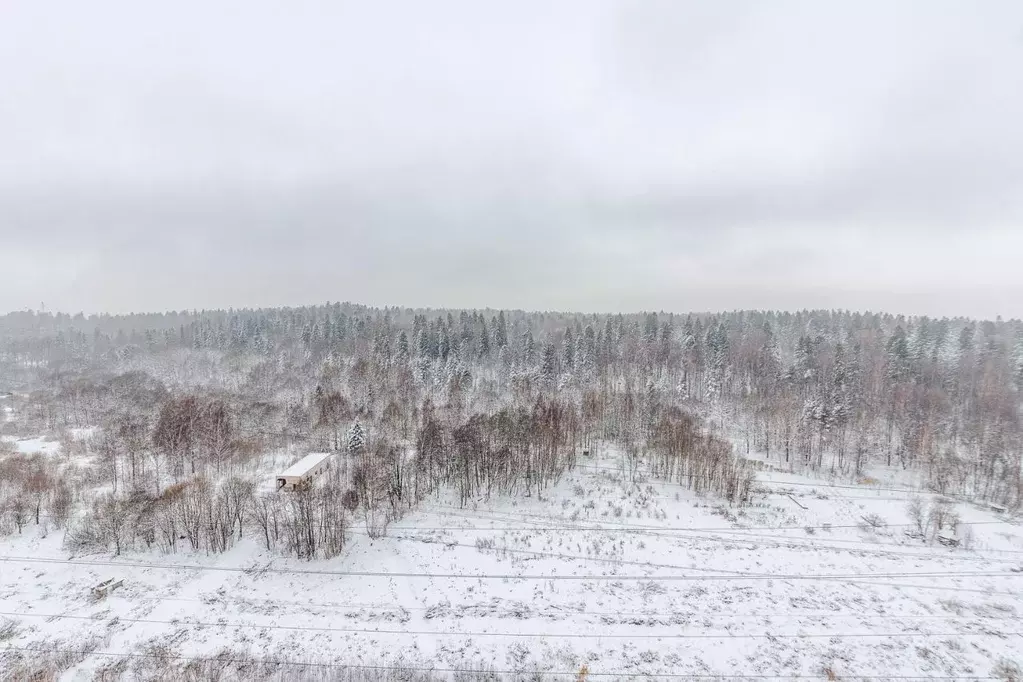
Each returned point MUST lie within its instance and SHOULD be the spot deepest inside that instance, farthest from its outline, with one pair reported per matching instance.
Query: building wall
(294, 481)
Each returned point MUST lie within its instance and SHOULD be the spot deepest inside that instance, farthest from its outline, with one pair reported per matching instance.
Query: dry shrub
(8, 629)
(44, 661)
(159, 663)
(1007, 671)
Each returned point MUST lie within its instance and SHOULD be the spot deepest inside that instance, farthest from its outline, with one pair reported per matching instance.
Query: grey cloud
(595, 155)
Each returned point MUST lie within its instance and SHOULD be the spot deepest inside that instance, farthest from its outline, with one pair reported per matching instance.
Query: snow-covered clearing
(31, 446)
(630, 578)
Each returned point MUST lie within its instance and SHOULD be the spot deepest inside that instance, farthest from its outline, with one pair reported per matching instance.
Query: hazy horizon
(528, 311)
(588, 156)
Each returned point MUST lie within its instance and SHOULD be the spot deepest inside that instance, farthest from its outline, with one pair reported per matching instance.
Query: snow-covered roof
(306, 464)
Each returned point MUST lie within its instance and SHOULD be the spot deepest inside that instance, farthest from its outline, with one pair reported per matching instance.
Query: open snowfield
(626, 575)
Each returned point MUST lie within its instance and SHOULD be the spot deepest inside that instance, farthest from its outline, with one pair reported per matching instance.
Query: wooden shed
(303, 471)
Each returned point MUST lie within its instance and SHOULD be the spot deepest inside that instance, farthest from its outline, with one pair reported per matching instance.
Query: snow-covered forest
(157, 438)
(494, 402)
(827, 391)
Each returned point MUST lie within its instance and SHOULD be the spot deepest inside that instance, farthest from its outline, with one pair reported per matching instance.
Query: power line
(642, 528)
(741, 538)
(575, 557)
(558, 555)
(738, 575)
(547, 518)
(721, 529)
(679, 533)
(524, 635)
(524, 576)
(615, 674)
(566, 611)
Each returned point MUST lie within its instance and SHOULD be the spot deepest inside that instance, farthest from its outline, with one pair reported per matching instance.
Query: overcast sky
(588, 155)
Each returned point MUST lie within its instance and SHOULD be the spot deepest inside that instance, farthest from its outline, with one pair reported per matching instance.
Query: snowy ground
(31, 446)
(629, 578)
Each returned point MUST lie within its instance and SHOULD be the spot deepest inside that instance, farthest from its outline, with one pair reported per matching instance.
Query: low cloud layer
(591, 155)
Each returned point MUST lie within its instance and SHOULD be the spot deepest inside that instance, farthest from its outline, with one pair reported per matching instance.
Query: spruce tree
(549, 366)
(501, 331)
(484, 344)
(444, 344)
(403, 346)
(840, 387)
(898, 355)
(667, 332)
(590, 345)
(355, 439)
(650, 329)
(528, 347)
(568, 350)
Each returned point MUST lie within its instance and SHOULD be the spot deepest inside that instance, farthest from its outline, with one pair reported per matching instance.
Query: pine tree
(650, 328)
(920, 348)
(589, 346)
(382, 345)
(467, 336)
(528, 347)
(717, 359)
(805, 361)
(418, 326)
(484, 338)
(422, 342)
(840, 388)
(355, 439)
(403, 347)
(328, 332)
(568, 351)
(549, 366)
(898, 355)
(667, 332)
(444, 344)
(688, 343)
(501, 331)
(581, 363)
(609, 342)
(770, 357)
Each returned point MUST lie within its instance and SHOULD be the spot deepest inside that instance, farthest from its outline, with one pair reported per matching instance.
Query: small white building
(303, 471)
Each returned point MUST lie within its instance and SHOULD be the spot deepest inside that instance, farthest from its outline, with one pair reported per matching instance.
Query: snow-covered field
(629, 578)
